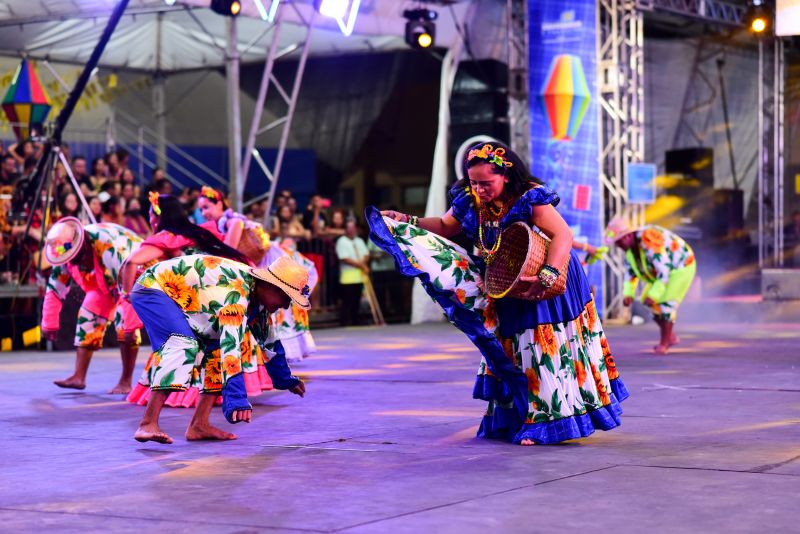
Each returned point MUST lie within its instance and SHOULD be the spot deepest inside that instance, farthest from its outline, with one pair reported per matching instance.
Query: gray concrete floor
(384, 442)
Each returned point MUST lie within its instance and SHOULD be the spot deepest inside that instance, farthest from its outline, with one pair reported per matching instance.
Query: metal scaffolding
(620, 81)
(519, 123)
(771, 67)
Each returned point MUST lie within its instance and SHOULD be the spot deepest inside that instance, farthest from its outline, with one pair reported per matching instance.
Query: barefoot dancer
(91, 257)
(546, 370)
(201, 313)
(175, 235)
(667, 266)
(292, 327)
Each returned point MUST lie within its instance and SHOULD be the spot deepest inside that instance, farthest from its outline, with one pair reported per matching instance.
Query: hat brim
(55, 261)
(613, 241)
(296, 296)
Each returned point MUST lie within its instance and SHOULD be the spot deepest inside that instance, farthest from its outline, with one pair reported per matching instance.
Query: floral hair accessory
(153, 198)
(306, 291)
(211, 193)
(62, 248)
(490, 154)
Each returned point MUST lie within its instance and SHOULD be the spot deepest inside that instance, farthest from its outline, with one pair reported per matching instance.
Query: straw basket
(522, 252)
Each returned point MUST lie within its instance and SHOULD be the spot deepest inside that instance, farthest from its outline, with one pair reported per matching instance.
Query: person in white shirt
(353, 267)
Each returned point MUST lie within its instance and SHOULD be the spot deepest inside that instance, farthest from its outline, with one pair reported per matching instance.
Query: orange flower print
(689, 260)
(247, 349)
(592, 315)
(212, 381)
(299, 315)
(580, 372)
(232, 365)
(176, 288)
(210, 262)
(63, 277)
(100, 247)
(150, 361)
(602, 391)
(94, 338)
(653, 240)
(279, 316)
(508, 347)
(489, 316)
(674, 246)
(238, 285)
(545, 337)
(461, 263)
(533, 381)
(231, 315)
(461, 295)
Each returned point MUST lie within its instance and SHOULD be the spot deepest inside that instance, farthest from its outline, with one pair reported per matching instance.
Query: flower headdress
(211, 193)
(153, 198)
(490, 154)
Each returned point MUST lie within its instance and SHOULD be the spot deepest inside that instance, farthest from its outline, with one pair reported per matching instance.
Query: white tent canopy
(155, 37)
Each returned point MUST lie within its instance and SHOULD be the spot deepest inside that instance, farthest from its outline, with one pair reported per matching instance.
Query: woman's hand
(395, 215)
(299, 389)
(537, 289)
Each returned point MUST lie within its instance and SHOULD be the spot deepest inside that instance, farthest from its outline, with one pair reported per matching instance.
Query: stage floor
(384, 442)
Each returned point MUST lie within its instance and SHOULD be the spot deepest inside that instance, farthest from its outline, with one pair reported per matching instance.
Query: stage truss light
(228, 8)
(759, 17)
(268, 15)
(344, 12)
(420, 27)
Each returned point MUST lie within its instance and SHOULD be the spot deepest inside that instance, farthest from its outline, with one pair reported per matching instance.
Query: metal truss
(290, 99)
(771, 67)
(519, 123)
(620, 81)
(708, 10)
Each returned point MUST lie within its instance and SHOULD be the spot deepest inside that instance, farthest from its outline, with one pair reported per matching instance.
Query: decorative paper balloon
(26, 103)
(565, 97)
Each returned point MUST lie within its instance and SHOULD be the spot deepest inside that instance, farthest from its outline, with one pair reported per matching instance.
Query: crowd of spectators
(115, 194)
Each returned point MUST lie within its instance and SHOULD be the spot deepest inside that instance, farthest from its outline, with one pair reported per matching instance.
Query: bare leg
(128, 352)
(83, 357)
(199, 427)
(666, 336)
(148, 427)
(527, 442)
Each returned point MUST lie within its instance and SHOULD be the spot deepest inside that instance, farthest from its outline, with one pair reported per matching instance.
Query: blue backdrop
(562, 54)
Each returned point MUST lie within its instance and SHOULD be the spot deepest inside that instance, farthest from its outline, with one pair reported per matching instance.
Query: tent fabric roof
(192, 36)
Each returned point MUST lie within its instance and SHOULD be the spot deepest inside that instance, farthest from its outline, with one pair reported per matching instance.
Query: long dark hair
(519, 177)
(173, 219)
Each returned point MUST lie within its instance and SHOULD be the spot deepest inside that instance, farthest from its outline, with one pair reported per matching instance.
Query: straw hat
(64, 241)
(617, 228)
(289, 276)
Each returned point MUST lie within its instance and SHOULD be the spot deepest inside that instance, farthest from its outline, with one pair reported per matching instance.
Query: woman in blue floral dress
(546, 369)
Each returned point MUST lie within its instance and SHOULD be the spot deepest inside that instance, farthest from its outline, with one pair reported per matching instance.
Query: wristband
(413, 220)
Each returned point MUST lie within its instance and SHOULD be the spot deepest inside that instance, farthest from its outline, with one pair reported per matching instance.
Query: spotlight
(759, 17)
(343, 11)
(228, 8)
(420, 28)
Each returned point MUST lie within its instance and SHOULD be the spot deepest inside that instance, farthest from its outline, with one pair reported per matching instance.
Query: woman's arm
(445, 226)
(548, 220)
(144, 255)
(234, 233)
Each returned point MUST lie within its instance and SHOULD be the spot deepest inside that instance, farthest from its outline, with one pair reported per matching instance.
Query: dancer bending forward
(200, 312)
(546, 368)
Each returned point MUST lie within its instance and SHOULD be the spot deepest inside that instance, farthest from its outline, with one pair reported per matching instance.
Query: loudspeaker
(727, 213)
(693, 163)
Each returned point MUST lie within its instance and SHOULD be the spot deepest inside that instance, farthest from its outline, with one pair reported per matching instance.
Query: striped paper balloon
(26, 103)
(565, 97)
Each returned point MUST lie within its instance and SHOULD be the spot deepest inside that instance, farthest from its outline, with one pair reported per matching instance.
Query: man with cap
(91, 257)
(202, 314)
(664, 262)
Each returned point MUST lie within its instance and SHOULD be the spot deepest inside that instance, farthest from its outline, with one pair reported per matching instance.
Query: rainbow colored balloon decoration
(26, 103)
(565, 97)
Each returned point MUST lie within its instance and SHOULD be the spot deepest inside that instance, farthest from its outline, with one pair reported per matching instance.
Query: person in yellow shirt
(664, 262)
(353, 267)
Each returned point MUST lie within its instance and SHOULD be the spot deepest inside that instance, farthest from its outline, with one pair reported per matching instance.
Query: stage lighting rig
(420, 27)
(228, 8)
(344, 12)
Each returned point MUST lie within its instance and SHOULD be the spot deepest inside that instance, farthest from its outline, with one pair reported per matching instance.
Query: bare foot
(661, 349)
(674, 340)
(207, 432)
(120, 389)
(151, 433)
(70, 383)
(527, 443)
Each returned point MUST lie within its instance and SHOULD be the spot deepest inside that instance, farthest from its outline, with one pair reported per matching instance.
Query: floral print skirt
(547, 384)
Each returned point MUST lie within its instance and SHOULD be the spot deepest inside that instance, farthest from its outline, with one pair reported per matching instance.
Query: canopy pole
(235, 190)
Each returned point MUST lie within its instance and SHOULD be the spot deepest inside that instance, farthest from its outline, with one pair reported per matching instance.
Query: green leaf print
(82, 320)
(555, 403)
(168, 379)
(190, 355)
(457, 276)
(200, 268)
(541, 405)
(232, 297)
(228, 343)
(444, 259)
(587, 397)
(547, 361)
(541, 418)
(228, 272)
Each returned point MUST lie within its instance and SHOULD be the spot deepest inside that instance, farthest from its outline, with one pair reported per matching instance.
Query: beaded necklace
(494, 218)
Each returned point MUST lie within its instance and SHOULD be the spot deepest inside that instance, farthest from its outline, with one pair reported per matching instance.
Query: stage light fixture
(759, 17)
(344, 12)
(268, 15)
(228, 8)
(420, 27)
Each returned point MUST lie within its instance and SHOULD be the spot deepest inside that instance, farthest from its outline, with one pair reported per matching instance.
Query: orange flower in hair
(491, 155)
(211, 193)
(153, 198)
